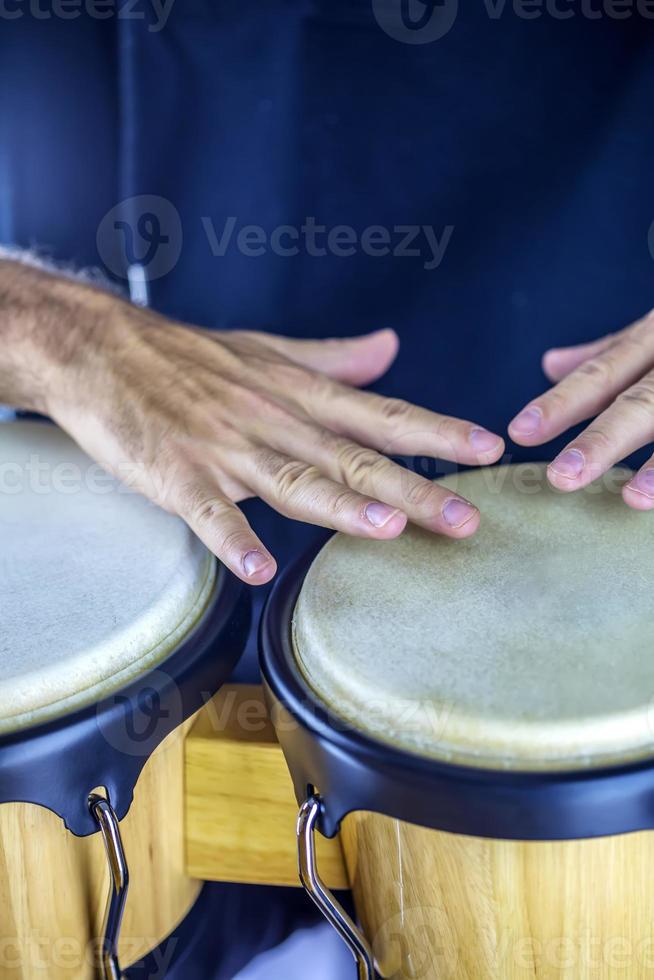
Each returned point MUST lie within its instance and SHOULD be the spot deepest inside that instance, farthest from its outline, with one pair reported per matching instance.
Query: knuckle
(206, 510)
(394, 410)
(556, 400)
(421, 494)
(232, 542)
(357, 464)
(340, 504)
(292, 478)
(196, 504)
(320, 387)
(597, 438)
(640, 396)
(598, 370)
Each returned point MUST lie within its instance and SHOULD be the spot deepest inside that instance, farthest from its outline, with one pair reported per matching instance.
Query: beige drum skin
(97, 587)
(528, 647)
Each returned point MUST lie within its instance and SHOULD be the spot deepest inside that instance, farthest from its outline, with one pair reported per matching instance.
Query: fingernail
(483, 441)
(643, 482)
(527, 422)
(457, 512)
(254, 561)
(569, 464)
(379, 514)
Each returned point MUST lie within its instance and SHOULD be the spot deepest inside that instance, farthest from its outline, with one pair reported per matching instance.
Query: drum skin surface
(527, 646)
(97, 584)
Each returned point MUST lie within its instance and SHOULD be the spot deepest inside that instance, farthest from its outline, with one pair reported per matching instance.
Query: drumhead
(528, 646)
(97, 585)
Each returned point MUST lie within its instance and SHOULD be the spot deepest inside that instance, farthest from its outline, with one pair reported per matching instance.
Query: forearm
(45, 323)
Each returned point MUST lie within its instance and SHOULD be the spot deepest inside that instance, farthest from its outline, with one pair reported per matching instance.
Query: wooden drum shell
(438, 906)
(53, 885)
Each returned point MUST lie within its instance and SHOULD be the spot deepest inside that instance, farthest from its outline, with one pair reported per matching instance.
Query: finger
(353, 360)
(300, 491)
(623, 428)
(588, 389)
(223, 528)
(560, 361)
(398, 428)
(639, 491)
(368, 472)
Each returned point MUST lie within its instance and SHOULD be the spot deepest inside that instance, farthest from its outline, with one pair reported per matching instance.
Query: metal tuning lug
(322, 897)
(118, 885)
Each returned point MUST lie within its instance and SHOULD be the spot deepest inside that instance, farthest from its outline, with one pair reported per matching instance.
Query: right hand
(199, 420)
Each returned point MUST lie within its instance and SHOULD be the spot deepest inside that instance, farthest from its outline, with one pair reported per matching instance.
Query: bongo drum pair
(117, 625)
(476, 718)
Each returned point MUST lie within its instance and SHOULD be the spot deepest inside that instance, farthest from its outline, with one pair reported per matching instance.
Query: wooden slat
(240, 805)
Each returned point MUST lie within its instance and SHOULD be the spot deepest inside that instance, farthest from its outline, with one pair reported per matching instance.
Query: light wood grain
(53, 885)
(438, 906)
(240, 806)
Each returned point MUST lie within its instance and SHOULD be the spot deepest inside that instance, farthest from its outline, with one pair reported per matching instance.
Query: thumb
(560, 361)
(353, 360)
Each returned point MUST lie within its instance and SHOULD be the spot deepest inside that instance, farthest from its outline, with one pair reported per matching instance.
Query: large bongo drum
(117, 625)
(477, 719)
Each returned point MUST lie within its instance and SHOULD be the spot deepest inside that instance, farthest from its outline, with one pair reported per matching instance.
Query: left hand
(613, 379)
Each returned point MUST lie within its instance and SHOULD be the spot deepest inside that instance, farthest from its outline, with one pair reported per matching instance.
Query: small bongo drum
(117, 625)
(477, 718)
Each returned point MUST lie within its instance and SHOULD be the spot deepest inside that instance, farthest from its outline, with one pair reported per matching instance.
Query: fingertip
(561, 482)
(466, 530)
(487, 446)
(526, 429)
(386, 332)
(393, 528)
(257, 567)
(638, 492)
(460, 518)
(391, 342)
(636, 499)
(382, 521)
(371, 357)
(551, 363)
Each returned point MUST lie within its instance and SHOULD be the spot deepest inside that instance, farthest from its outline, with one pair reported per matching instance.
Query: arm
(199, 420)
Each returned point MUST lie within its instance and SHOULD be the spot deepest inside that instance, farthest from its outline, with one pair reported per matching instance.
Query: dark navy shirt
(523, 144)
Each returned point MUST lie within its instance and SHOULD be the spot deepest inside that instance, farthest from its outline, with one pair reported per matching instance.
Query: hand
(199, 421)
(613, 379)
